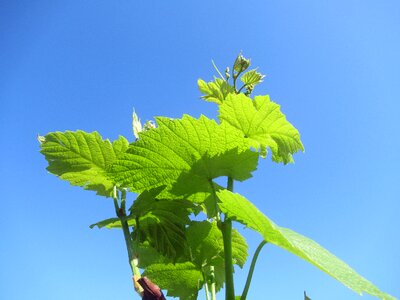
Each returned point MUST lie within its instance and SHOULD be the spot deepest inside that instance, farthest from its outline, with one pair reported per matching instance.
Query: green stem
(121, 214)
(230, 184)
(213, 293)
(206, 290)
(234, 81)
(238, 92)
(215, 198)
(251, 270)
(216, 69)
(226, 228)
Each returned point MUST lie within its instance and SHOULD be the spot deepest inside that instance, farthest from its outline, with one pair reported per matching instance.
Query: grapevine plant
(178, 231)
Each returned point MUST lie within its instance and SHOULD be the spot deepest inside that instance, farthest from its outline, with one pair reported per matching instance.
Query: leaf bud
(136, 125)
(241, 64)
(41, 139)
(149, 125)
(227, 74)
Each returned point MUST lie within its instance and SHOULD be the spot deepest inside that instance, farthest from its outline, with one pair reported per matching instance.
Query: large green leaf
(185, 155)
(262, 122)
(240, 209)
(181, 280)
(82, 158)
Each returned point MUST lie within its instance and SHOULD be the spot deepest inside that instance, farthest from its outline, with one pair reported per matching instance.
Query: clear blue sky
(334, 66)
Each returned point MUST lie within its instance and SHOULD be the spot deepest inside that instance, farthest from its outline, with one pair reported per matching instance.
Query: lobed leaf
(185, 155)
(263, 124)
(82, 158)
(252, 78)
(240, 209)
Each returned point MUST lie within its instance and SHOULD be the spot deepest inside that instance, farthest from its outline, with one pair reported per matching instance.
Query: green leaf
(206, 244)
(113, 223)
(82, 158)
(147, 255)
(263, 124)
(161, 222)
(252, 78)
(240, 209)
(215, 91)
(239, 248)
(185, 155)
(207, 248)
(182, 280)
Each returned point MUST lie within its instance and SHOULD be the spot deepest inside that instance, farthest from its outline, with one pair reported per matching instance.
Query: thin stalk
(238, 92)
(216, 69)
(235, 77)
(206, 290)
(251, 270)
(226, 228)
(215, 198)
(121, 214)
(213, 293)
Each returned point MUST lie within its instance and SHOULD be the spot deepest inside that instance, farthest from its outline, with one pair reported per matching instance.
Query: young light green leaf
(263, 124)
(240, 209)
(185, 155)
(182, 280)
(136, 125)
(82, 158)
(215, 91)
(252, 78)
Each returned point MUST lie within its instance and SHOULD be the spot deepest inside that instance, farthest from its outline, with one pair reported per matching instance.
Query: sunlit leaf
(262, 123)
(82, 158)
(252, 78)
(180, 280)
(215, 91)
(240, 209)
(185, 155)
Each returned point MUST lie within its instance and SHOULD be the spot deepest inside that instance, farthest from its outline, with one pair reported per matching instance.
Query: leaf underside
(181, 280)
(82, 158)
(185, 155)
(263, 124)
(243, 211)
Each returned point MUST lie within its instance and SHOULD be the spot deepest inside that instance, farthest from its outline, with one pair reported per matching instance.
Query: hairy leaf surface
(240, 209)
(82, 158)
(263, 124)
(184, 155)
